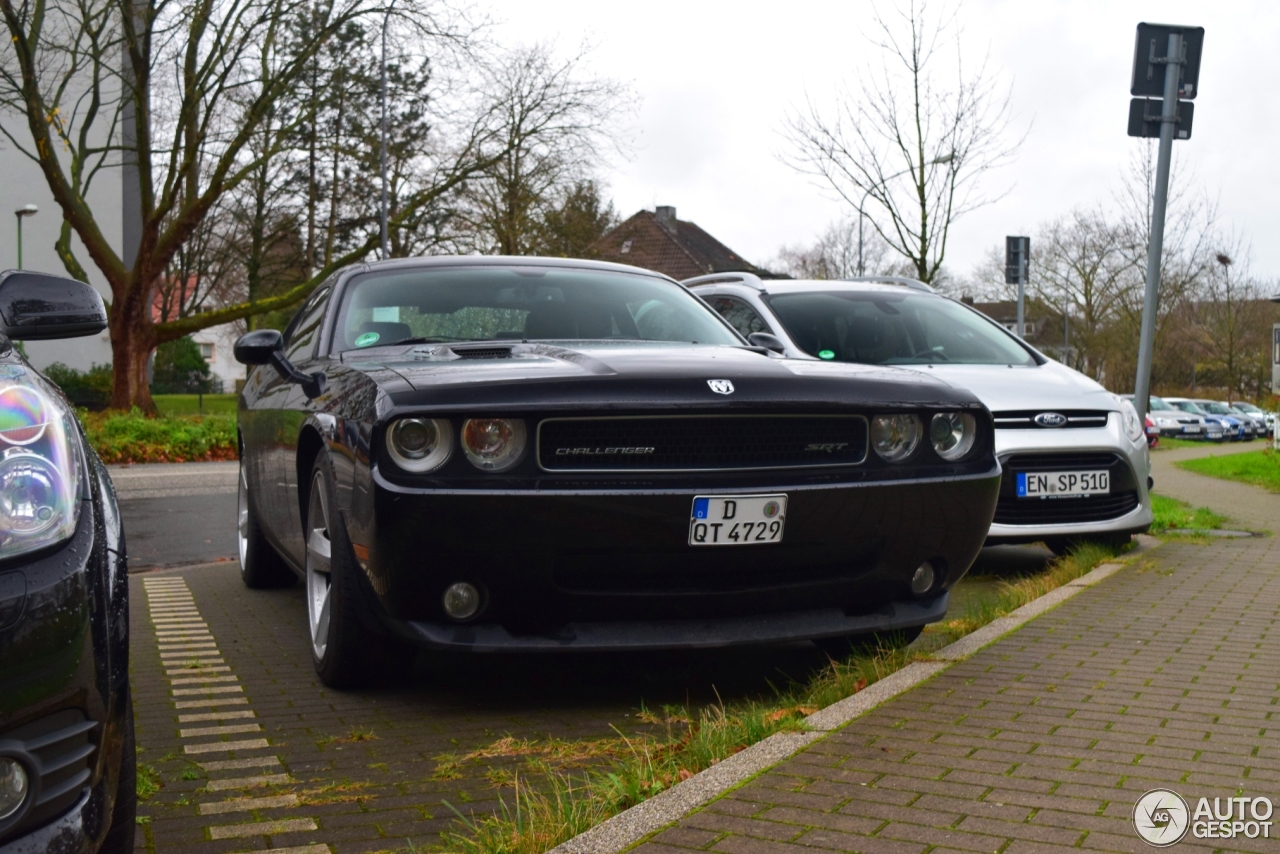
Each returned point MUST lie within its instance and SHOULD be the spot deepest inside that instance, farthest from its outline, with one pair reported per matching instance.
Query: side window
(740, 315)
(304, 329)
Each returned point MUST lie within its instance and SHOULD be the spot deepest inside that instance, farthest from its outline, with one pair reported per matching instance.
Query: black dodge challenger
(67, 762)
(542, 454)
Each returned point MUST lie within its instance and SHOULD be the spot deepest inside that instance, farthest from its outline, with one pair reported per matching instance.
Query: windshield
(882, 328)
(1158, 403)
(438, 305)
(1188, 406)
(1216, 408)
(1247, 407)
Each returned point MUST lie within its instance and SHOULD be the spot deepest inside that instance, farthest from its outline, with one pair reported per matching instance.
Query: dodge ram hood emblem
(1051, 419)
(721, 386)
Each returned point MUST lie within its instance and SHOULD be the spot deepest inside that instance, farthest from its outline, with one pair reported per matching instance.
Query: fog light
(461, 600)
(922, 581)
(13, 786)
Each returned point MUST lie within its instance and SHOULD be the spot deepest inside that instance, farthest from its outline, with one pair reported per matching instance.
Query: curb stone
(634, 825)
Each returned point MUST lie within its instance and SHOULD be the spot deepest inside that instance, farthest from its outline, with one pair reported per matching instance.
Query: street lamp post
(937, 161)
(21, 213)
(382, 162)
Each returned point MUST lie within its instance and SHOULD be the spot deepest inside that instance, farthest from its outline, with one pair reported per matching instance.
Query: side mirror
(257, 347)
(770, 342)
(35, 306)
(266, 347)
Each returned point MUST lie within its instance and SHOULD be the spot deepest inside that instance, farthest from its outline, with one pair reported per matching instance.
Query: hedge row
(131, 437)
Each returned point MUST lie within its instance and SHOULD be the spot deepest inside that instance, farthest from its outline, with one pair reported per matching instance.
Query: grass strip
(1172, 513)
(555, 798)
(132, 437)
(1258, 468)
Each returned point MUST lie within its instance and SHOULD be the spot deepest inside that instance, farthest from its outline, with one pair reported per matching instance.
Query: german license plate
(737, 520)
(1191, 428)
(1063, 484)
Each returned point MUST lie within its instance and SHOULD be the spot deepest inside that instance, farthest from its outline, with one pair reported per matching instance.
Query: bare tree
(838, 253)
(911, 142)
(85, 77)
(557, 125)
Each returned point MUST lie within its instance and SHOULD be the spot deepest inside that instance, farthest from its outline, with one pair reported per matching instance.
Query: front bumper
(1109, 439)
(613, 569)
(77, 831)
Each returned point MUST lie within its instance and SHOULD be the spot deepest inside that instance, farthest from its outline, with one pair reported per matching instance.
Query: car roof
(870, 284)
(506, 261)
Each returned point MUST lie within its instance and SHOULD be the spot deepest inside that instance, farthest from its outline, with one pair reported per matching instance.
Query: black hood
(637, 376)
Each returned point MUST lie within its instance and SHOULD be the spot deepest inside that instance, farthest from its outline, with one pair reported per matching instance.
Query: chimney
(666, 215)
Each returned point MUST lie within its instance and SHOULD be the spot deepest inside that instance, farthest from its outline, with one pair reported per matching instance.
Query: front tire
(260, 567)
(119, 839)
(346, 654)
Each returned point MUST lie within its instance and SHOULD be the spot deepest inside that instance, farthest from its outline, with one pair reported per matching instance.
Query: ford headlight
(895, 436)
(39, 471)
(952, 434)
(1133, 426)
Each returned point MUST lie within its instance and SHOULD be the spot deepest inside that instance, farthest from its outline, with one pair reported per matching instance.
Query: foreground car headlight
(39, 471)
(493, 444)
(1133, 427)
(895, 436)
(13, 786)
(420, 444)
(952, 434)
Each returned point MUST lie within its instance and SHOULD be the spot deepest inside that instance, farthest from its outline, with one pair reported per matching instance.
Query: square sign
(1152, 45)
(1144, 118)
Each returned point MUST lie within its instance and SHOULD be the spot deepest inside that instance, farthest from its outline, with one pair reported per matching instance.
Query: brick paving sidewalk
(1162, 675)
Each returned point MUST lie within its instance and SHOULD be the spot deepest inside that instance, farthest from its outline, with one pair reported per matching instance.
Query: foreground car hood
(1049, 386)
(643, 376)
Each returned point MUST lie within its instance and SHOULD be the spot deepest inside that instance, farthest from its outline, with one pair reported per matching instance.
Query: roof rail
(902, 281)
(751, 280)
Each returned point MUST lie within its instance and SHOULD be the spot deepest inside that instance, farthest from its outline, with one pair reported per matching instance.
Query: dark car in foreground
(67, 762)
(492, 454)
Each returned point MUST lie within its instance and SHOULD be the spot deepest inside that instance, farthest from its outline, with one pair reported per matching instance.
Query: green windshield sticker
(368, 339)
(826, 354)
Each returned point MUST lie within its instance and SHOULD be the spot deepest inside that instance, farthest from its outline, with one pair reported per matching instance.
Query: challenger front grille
(701, 442)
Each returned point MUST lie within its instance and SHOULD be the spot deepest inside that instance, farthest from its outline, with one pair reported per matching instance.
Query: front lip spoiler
(677, 634)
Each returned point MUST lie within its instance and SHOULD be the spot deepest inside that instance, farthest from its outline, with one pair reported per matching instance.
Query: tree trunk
(132, 339)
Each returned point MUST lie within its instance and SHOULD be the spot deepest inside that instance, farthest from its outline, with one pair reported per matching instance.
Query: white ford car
(1074, 454)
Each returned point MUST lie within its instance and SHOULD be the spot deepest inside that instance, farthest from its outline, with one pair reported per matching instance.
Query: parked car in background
(1075, 456)
(1258, 419)
(1231, 428)
(1153, 432)
(1176, 424)
(1245, 429)
(67, 759)
(1269, 418)
(484, 454)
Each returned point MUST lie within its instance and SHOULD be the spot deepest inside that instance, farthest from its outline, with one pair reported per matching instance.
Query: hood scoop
(482, 351)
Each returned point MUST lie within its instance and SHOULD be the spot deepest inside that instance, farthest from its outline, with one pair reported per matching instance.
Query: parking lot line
(190, 656)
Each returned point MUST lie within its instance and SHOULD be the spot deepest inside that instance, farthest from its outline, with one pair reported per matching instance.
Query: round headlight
(13, 786)
(493, 444)
(895, 436)
(420, 444)
(952, 434)
(31, 494)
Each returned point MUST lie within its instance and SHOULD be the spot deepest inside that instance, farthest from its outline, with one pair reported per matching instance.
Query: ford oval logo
(721, 386)
(1051, 419)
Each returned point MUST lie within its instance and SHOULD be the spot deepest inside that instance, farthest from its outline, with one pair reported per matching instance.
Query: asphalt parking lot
(255, 754)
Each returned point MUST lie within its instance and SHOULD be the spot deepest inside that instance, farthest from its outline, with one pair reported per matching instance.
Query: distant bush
(90, 389)
(131, 437)
(180, 369)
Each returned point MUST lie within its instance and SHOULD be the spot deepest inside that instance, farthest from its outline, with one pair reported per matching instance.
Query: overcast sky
(714, 82)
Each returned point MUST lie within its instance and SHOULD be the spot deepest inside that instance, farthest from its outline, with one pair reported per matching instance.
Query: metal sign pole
(1168, 119)
(1022, 287)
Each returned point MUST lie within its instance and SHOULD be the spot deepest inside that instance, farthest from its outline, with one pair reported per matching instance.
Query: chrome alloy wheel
(319, 566)
(242, 517)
